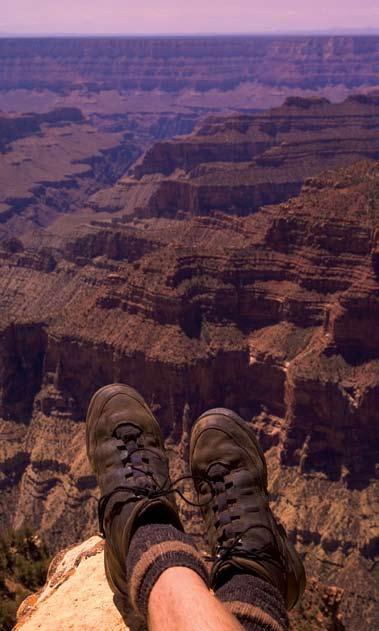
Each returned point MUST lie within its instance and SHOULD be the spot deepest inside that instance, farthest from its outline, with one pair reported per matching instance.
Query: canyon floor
(234, 265)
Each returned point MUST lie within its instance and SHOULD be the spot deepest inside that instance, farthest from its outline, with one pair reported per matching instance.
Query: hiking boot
(230, 476)
(126, 452)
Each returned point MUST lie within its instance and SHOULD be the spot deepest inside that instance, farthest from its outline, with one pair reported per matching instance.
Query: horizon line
(262, 33)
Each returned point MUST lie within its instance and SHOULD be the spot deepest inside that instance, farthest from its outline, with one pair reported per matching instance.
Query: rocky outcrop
(199, 63)
(238, 164)
(77, 597)
(76, 594)
(290, 129)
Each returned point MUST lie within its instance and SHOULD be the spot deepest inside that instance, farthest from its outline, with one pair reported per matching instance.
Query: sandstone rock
(76, 595)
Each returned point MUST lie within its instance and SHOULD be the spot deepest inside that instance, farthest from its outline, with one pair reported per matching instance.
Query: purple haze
(189, 16)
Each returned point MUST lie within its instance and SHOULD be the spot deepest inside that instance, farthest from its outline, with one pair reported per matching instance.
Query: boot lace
(234, 548)
(134, 462)
(217, 486)
(232, 545)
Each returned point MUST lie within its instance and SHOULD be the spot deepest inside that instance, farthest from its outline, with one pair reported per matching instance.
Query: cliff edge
(76, 597)
(76, 594)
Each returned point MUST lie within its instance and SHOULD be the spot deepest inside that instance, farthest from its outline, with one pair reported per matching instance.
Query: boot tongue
(127, 432)
(217, 471)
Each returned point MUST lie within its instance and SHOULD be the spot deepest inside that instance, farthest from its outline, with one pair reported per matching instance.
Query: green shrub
(24, 561)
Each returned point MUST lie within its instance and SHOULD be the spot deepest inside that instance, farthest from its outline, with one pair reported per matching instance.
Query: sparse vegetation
(24, 562)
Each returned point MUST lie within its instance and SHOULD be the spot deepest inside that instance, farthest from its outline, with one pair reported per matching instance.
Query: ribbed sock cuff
(155, 548)
(257, 604)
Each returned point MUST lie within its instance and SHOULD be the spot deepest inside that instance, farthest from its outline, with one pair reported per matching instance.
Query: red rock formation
(272, 314)
(240, 163)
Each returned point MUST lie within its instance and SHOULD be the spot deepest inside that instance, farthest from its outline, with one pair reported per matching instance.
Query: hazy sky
(184, 16)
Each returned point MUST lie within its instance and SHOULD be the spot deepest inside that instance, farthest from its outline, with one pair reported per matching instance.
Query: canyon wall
(190, 75)
(200, 63)
(268, 308)
(243, 162)
(251, 313)
(51, 162)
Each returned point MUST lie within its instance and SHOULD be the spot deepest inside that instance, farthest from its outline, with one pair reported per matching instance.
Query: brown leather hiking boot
(230, 477)
(126, 452)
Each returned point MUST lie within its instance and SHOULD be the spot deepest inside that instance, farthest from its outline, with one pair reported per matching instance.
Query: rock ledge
(76, 594)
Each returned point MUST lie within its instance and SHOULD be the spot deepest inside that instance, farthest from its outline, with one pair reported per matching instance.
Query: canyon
(186, 74)
(50, 163)
(273, 314)
(184, 62)
(234, 265)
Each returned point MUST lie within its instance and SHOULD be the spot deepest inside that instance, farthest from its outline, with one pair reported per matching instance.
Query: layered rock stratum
(176, 62)
(182, 73)
(50, 163)
(256, 289)
(240, 163)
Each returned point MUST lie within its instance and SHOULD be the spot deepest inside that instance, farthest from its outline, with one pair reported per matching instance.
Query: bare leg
(181, 601)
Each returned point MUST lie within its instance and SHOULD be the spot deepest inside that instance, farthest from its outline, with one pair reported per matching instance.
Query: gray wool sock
(153, 549)
(257, 604)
